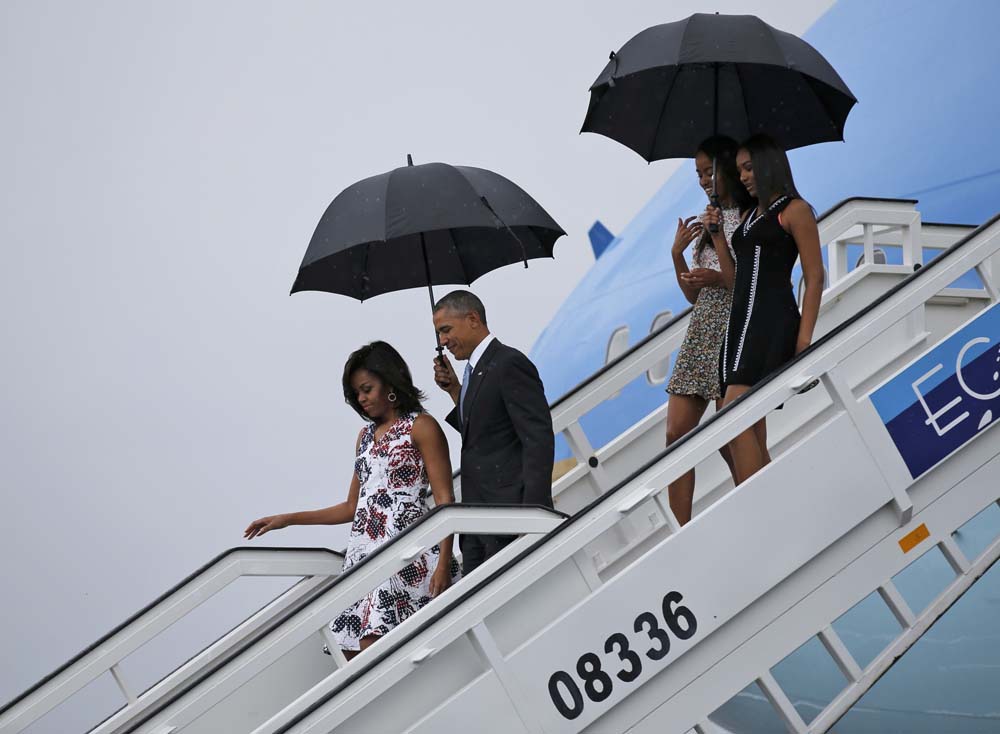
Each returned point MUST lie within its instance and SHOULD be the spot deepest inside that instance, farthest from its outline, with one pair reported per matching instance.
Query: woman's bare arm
(688, 230)
(798, 220)
(338, 514)
(433, 446)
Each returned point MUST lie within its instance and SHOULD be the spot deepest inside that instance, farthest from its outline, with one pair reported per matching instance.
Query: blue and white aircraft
(925, 128)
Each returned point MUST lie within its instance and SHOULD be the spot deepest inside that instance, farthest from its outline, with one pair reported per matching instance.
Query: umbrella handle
(430, 289)
(714, 198)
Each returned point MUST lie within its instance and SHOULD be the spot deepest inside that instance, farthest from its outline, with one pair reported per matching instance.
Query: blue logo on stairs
(946, 397)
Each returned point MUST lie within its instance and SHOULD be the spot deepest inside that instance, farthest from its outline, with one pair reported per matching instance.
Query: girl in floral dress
(401, 459)
(695, 378)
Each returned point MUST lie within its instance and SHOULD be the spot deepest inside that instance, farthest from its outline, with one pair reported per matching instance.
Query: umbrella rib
(659, 118)
(666, 98)
(496, 219)
(822, 103)
(385, 207)
(743, 96)
(458, 254)
(482, 200)
(365, 280)
(524, 252)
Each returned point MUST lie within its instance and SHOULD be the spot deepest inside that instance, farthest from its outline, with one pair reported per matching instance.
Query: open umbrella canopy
(425, 225)
(673, 85)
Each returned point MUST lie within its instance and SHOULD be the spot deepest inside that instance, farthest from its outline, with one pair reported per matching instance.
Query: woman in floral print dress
(695, 378)
(401, 458)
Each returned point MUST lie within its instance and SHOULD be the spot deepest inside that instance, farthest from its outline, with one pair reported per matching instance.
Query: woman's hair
(383, 361)
(722, 149)
(771, 172)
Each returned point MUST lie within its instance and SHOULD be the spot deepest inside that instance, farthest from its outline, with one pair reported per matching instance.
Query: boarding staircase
(605, 616)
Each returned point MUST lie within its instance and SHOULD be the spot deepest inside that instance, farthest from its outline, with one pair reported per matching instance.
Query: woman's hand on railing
(441, 578)
(264, 525)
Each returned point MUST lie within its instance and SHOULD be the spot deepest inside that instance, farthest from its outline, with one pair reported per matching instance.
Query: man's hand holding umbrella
(445, 377)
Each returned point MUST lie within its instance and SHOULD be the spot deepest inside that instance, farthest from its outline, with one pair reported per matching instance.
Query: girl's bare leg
(760, 430)
(727, 455)
(748, 458)
(683, 414)
(364, 643)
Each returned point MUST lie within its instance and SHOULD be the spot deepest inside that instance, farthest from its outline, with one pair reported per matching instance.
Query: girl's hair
(722, 149)
(383, 361)
(771, 172)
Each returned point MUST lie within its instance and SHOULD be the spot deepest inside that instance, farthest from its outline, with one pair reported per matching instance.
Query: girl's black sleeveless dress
(764, 318)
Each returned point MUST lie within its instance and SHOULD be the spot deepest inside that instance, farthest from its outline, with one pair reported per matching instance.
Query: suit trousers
(477, 548)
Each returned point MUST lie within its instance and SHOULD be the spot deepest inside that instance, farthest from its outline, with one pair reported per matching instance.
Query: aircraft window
(879, 258)
(617, 346)
(658, 373)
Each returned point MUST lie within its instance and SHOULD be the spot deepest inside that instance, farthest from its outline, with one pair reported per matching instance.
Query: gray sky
(163, 167)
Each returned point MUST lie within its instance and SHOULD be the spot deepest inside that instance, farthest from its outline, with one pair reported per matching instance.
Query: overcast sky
(163, 167)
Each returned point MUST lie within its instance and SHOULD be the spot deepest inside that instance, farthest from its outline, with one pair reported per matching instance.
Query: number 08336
(597, 682)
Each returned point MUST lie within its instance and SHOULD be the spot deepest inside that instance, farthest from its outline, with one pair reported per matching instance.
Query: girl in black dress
(695, 379)
(765, 329)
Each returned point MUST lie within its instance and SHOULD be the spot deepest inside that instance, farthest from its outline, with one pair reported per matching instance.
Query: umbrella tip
(409, 159)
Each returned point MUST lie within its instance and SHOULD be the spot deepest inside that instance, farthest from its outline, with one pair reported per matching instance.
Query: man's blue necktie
(465, 389)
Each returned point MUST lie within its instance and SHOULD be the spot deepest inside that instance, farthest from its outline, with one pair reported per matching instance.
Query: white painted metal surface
(827, 513)
(618, 620)
(896, 225)
(260, 677)
(314, 565)
(277, 635)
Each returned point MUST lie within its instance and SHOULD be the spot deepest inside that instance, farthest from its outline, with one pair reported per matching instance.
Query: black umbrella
(426, 225)
(673, 85)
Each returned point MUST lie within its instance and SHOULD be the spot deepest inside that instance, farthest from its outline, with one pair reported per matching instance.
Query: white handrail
(902, 227)
(567, 412)
(201, 691)
(315, 564)
(824, 359)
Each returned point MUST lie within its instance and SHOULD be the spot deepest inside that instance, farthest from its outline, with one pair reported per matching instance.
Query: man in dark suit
(502, 414)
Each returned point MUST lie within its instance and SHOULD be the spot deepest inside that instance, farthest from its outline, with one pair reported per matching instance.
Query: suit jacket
(507, 441)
